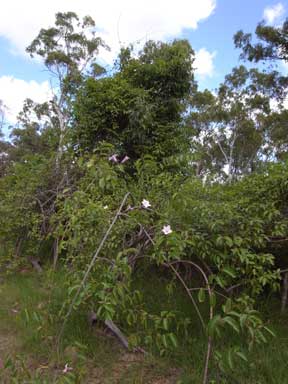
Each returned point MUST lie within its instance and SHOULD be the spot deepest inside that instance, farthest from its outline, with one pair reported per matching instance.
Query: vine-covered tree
(139, 109)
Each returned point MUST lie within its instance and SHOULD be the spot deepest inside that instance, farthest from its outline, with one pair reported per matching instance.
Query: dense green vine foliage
(146, 133)
(139, 108)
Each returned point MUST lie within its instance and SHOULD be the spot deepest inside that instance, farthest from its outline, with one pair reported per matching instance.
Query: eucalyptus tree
(269, 47)
(229, 129)
(69, 51)
(271, 43)
(38, 170)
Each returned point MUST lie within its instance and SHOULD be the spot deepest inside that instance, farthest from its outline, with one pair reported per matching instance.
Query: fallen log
(112, 328)
(36, 265)
(92, 317)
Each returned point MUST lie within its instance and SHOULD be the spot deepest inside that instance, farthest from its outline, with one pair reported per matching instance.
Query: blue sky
(208, 24)
(216, 33)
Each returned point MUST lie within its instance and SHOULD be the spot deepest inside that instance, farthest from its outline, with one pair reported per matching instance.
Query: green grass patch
(29, 325)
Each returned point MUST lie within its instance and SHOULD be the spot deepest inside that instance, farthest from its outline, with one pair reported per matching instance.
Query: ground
(25, 358)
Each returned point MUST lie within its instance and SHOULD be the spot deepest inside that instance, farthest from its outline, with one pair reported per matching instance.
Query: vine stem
(209, 342)
(211, 312)
(188, 293)
(207, 359)
(91, 266)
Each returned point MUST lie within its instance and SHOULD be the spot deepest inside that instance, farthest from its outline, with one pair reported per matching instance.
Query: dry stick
(209, 344)
(91, 266)
(284, 292)
(182, 282)
(188, 293)
(55, 252)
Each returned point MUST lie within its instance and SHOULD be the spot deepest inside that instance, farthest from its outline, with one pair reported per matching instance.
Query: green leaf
(102, 183)
(213, 324)
(229, 320)
(165, 324)
(229, 271)
(267, 329)
(164, 340)
(173, 339)
(243, 319)
(228, 241)
(219, 241)
(227, 306)
(242, 356)
(201, 295)
(220, 281)
(230, 359)
(212, 299)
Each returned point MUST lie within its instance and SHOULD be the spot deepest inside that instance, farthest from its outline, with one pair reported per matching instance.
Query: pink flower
(126, 158)
(113, 158)
(145, 203)
(166, 230)
(67, 368)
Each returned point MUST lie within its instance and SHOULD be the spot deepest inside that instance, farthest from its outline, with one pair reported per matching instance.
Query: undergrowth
(29, 324)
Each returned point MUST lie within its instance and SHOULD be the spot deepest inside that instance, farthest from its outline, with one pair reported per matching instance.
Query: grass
(29, 325)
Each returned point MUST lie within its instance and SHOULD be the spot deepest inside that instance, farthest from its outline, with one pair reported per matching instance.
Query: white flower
(105, 207)
(126, 158)
(113, 158)
(145, 203)
(67, 368)
(166, 230)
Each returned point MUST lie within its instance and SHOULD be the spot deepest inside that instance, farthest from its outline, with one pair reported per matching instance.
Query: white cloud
(204, 63)
(120, 21)
(273, 13)
(14, 91)
(284, 67)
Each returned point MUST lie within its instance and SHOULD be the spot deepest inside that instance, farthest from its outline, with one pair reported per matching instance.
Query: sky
(209, 25)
